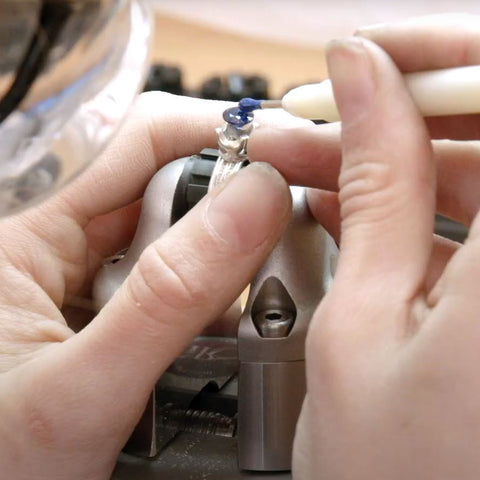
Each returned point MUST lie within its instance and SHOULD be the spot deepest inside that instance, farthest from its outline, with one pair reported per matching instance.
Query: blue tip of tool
(249, 104)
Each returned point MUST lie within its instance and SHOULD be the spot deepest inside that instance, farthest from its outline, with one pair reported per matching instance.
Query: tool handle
(449, 91)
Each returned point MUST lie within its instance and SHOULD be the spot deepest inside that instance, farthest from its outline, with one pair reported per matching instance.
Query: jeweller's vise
(230, 403)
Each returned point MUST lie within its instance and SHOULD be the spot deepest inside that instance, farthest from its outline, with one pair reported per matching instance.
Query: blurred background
(282, 41)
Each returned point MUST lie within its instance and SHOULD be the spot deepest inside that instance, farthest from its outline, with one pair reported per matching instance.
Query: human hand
(68, 401)
(393, 349)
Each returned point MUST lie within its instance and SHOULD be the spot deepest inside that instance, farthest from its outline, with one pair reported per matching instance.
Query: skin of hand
(393, 349)
(68, 401)
(391, 374)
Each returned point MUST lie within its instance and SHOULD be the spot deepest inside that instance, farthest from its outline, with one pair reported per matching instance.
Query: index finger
(161, 128)
(431, 42)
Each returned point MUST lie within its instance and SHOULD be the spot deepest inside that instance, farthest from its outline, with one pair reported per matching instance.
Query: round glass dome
(69, 71)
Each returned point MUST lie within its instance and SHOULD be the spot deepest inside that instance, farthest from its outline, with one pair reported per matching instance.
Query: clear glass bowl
(95, 66)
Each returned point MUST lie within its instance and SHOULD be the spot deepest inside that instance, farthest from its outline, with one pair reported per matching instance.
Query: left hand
(68, 401)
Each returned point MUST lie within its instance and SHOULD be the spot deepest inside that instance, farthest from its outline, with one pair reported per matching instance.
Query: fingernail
(352, 76)
(250, 208)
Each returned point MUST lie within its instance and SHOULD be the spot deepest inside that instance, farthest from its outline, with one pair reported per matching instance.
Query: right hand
(310, 155)
(393, 350)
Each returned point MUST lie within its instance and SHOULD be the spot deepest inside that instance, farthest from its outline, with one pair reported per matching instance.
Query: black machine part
(230, 418)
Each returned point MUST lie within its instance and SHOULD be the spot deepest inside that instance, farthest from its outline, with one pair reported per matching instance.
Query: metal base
(197, 406)
(191, 456)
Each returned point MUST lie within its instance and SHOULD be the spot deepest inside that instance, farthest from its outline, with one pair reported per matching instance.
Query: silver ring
(232, 146)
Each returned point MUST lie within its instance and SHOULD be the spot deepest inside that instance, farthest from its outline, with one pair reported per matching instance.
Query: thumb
(387, 178)
(102, 376)
(194, 272)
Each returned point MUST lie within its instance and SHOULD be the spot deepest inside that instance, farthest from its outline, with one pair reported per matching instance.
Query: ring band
(232, 146)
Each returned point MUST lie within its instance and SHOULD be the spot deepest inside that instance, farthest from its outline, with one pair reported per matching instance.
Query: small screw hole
(273, 316)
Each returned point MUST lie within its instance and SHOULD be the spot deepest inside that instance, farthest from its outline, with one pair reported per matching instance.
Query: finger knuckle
(41, 426)
(145, 99)
(368, 188)
(166, 280)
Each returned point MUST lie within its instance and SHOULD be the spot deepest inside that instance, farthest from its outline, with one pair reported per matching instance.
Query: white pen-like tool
(449, 91)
